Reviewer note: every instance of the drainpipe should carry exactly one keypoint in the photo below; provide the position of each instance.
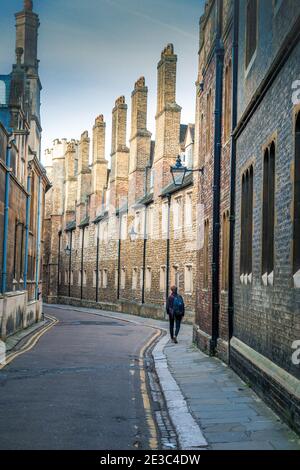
(82, 249)
(70, 262)
(97, 264)
(168, 248)
(217, 179)
(119, 257)
(233, 168)
(58, 261)
(6, 213)
(144, 256)
(38, 244)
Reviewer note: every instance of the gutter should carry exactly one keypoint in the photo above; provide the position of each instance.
(38, 244)
(217, 181)
(28, 201)
(233, 170)
(6, 220)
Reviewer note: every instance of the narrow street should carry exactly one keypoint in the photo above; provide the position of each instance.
(78, 388)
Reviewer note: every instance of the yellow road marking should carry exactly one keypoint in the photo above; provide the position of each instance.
(146, 401)
(31, 342)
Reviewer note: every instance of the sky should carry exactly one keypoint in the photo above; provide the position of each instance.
(93, 51)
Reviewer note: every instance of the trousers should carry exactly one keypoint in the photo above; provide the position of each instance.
(174, 321)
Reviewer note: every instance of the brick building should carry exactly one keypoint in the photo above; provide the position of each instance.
(121, 236)
(247, 138)
(23, 183)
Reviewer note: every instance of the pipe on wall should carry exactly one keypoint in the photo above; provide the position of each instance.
(58, 261)
(38, 243)
(217, 179)
(82, 251)
(144, 255)
(70, 262)
(97, 262)
(233, 168)
(6, 218)
(168, 249)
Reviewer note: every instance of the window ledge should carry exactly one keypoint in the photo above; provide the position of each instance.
(246, 279)
(268, 279)
(297, 279)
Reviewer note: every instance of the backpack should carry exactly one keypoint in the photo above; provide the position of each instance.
(178, 306)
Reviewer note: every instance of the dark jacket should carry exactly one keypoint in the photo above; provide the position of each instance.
(170, 303)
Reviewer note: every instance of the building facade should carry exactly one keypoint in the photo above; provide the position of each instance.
(121, 236)
(23, 183)
(247, 138)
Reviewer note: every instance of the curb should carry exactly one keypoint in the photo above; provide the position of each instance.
(188, 432)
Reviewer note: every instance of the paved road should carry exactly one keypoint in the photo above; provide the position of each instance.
(79, 388)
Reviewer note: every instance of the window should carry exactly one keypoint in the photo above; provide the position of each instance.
(123, 221)
(268, 215)
(188, 279)
(84, 278)
(2, 93)
(162, 279)
(86, 237)
(150, 221)
(151, 179)
(164, 218)
(59, 277)
(32, 205)
(246, 226)
(177, 213)
(134, 278)
(251, 30)
(209, 121)
(141, 278)
(225, 249)
(72, 278)
(66, 277)
(137, 223)
(175, 276)
(227, 102)
(104, 277)
(205, 254)
(123, 278)
(188, 210)
(296, 254)
(79, 278)
(148, 278)
(94, 278)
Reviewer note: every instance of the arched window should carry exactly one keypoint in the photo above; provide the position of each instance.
(227, 102)
(2, 92)
(268, 215)
(297, 200)
(246, 226)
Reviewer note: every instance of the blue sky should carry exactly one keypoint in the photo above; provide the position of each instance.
(92, 51)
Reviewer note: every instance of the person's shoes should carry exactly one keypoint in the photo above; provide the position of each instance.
(175, 340)
(172, 339)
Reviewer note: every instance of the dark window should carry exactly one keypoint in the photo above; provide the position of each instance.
(32, 193)
(206, 254)
(227, 102)
(251, 30)
(268, 210)
(297, 198)
(225, 250)
(208, 122)
(246, 222)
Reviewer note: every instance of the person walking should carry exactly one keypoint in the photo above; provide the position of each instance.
(175, 310)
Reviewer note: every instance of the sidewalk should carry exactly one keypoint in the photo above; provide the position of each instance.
(229, 414)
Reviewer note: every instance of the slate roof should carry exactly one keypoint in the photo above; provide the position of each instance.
(171, 188)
